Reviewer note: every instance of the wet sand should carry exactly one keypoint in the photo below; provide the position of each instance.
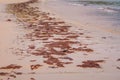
(36, 44)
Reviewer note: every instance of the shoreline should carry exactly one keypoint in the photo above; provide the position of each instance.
(47, 45)
(83, 20)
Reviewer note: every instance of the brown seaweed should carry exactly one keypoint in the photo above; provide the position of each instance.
(11, 66)
(91, 64)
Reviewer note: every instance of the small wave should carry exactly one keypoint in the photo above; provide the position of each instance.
(109, 9)
(94, 2)
(74, 4)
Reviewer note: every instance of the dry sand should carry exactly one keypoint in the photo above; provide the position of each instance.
(12, 1)
(16, 49)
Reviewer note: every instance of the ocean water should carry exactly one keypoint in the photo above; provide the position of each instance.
(105, 5)
(111, 4)
(100, 14)
(109, 10)
(98, 2)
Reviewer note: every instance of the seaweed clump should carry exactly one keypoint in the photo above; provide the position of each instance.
(91, 64)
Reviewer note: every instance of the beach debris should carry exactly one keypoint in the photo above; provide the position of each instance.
(36, 66)
(68, 58)
(54, 61)
(91, 64)
(88, 37)
(104, 37)
(11, 66)
(81, 33)
(32, 1)
(9, 20)
(118, 59)
(84, 49)
(73, 36)
(32, 78)
(53, 67)
(11, 75)
(61, 39)
(118, 68)
(33, 60)
(67, 62)
(3, 73)
(32, 73)
(18, 73)
(31, 46)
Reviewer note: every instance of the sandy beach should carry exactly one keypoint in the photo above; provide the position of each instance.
(38, 41)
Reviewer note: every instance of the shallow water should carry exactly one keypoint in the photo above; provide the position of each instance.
(96, 2)
(108, 9)
(101, 17)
